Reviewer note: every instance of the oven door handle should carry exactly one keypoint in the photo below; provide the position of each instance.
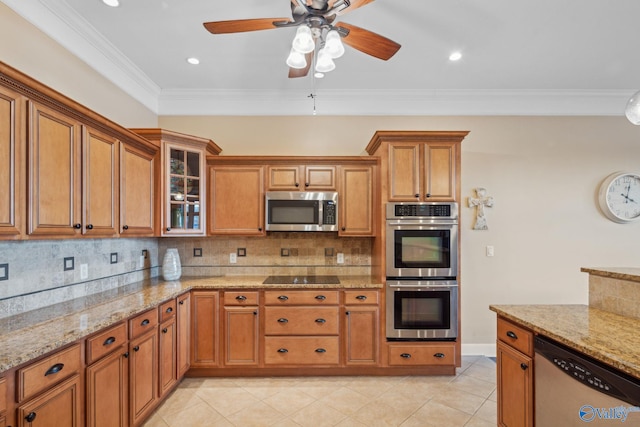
(430, 287)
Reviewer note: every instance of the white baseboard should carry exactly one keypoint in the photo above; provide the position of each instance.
(488, 350)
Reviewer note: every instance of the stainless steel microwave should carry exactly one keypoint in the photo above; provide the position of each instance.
(301, 211)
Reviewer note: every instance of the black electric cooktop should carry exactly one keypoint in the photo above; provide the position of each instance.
(302, 280)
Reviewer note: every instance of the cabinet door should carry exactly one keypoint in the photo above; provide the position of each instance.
(143, 375)
(236, 200)
(137, 191)
(54, 173)
(183, 317)
(320, 178)
(361, 335)
(185, 191)
(108, 390)
(60, 406)
(241, 335)
(284, 178)
(204, 329)
(515, 387)
(404, 171)
(11, 164)
(167, 357)
(440, 160)
(356, 201)
(99, 184)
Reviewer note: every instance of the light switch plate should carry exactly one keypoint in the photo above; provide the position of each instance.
(233, 258)
(340, 259)
(84, 271)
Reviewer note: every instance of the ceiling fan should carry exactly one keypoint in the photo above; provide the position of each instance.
(318, 17)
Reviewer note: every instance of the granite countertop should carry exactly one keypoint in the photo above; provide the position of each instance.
(605, 336)
(623, 273)
(32, 334)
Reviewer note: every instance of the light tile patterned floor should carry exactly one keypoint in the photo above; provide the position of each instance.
(467, 399)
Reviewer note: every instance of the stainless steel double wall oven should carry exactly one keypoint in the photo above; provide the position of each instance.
(422, 270)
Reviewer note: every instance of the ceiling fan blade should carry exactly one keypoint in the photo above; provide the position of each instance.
(301, 72)
(242, 25)
(368, 42)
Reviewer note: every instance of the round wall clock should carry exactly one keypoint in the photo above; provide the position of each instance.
(619, 197)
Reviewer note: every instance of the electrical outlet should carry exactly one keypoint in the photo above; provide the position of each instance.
(340, 259)
(84, 271)
(233, 258)
(141, 261)
(489, 250)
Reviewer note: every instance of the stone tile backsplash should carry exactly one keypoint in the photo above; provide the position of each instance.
(615, 295)
(37, 276)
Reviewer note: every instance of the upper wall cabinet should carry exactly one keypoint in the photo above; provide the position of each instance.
(296, 177)
(11, 164)
(183, 186)
(138, 178)
(356, 200)
(420, 166)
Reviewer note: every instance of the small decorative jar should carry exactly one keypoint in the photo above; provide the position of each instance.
(171, 267)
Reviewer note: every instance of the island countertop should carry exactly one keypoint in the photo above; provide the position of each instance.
(32, 334)
(608, 337)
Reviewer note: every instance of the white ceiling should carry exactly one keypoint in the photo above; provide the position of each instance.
(544, 57)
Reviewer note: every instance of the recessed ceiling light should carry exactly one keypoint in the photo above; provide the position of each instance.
(193, 61)
(112, 3)
(455, 56)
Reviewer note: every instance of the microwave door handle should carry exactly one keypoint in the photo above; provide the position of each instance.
(320, 212)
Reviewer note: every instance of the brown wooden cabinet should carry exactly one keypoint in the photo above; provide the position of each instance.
(362, 327)
(236, 200)
(514, 365)
(183, 317)
(167, 356)
(241, 327)
(205, 329)
(138, 169)
(356, 201)
(3, 401)
(59, 406)
(143, 376)
(431, 354)
(296, 177)
(107, 390)
(12, 159)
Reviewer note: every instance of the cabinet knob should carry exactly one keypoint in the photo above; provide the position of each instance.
(241, 298)
(181, 302)
(259, 228)
(109, 341)
(297, 184)
(164, 330)
(524, 366)
(306, 184)
(30, 417)
(89, 226)
(405, 356)
(125, 227)
(512, 335)
(427, 195)
(439, 355)
(54, 369)
(283, 350)
(344, 228)
(417, 195)
(136, 348)
(168, 228)
(126, 355)
(77, 226)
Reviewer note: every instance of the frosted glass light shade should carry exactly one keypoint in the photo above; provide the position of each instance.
(333, 44)
(325, 62)
(296, 59)
(632, 111)
(303, 41)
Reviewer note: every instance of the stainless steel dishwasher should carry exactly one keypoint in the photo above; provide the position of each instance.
(572, 389)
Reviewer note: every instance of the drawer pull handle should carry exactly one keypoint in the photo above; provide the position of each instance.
(320, 350)
(283, 350)
(282, 320)
(145, 322)
(169, 310)
(439, 355)
(109, 341)
(283, 297)
(320, 321)
(241, 298)
(321, 297)
(30, 417)
(361, 297)
(524, 366)
(405, 356)
(136, 348)
(54, 369)
(511, 334)
(164, 331)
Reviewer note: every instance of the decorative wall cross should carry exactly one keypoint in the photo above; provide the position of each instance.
(479, 203)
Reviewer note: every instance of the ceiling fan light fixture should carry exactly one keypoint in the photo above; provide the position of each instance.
(334, 45)
(318, 75)
(632, 111)
(303, 41)
(193, 60)
(296, 59)
(325, 63)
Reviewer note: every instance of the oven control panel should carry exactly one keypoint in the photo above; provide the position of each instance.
(439, 210)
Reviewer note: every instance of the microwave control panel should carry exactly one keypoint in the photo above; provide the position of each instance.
(329, 212)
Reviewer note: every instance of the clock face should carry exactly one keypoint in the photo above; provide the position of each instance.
(620, 197)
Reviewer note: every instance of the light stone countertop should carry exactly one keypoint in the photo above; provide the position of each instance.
(623, 273)
(605, 336)
(35, 333)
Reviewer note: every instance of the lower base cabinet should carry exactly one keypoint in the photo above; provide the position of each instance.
(60, 406)
(167, 357)
(440, 354)
(515, 387)
(107, 383)
(143, 376)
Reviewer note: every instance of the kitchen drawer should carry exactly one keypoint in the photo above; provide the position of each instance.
(310, 297)
(143, 322)
(360, 297)
(3, 395)
(301, 320)
(516, 336)
(301, 350)
(105, 342)
(429, 354)
(241, 298)
(167, 310)
(45, 373)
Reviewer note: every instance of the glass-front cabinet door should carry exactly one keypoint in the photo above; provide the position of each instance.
(185, 190)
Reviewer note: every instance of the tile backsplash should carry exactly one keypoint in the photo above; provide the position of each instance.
(35, 274)
(615, 295)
